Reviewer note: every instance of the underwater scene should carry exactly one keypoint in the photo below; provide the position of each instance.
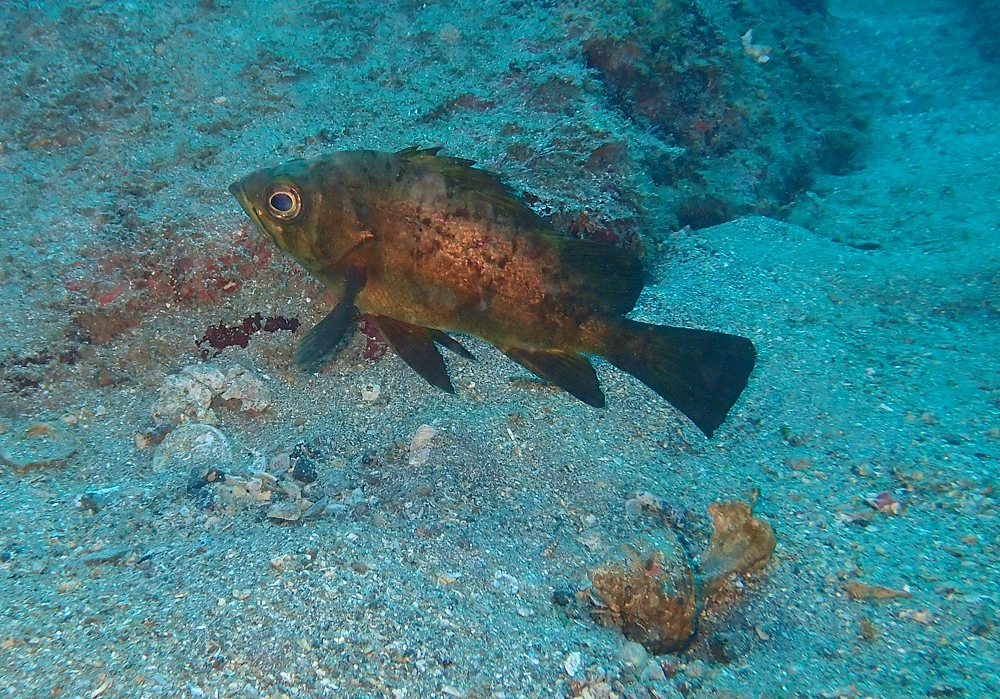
(610, 350)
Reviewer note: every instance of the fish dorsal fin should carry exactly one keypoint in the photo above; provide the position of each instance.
(611, 273)
(569, 371)
(415, 346)
(483, 186)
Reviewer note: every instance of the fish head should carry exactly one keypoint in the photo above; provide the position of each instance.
(313, 210)
(283, 202)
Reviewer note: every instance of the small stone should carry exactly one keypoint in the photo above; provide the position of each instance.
(419, 449)
(860, 591)
(633, 655)
(189, 394)
(37, 445)
(573, 663)
(290, 489)
(280, 463)
(633, 508)
(194, 447)
(502, 580)
(111, 555)
(652, 673)
(303, 467)
(284, 511)
(317, 509)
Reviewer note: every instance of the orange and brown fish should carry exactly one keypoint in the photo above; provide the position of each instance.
(427, 244)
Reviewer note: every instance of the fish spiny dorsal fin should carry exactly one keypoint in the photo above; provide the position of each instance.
(461, 177)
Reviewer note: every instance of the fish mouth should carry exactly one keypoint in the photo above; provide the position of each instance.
(236, 189)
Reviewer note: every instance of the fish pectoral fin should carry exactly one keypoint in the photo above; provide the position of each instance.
(415, 346)
(315, 348)
(318, 343)
(569, 371)
(451, 343)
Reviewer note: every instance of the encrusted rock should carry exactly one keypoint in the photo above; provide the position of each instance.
(649, 593)
(189, 395)
(652, 596)
(193, 447)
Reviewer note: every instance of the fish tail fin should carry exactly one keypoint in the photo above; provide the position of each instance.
(701, 373)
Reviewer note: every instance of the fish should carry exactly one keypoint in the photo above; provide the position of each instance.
(429, 245)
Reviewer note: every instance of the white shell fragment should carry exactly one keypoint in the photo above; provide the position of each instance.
(572, 663)
(420, 445)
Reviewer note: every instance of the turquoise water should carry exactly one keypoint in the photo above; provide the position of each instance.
(819, 176)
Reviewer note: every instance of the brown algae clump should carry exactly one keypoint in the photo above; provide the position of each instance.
(655, 598)
(651, 598)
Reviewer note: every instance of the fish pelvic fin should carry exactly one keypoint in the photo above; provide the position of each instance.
(569, 371)
(451, 343)
(701, 373)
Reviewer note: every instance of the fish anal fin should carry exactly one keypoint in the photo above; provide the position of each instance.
(415, 346)
(569, 371)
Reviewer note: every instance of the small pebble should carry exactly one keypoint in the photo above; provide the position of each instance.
(284, 511)
(633, 508)
(506, 582)
(633, 655)
(573, 663)
(653, 673)
(280, 463)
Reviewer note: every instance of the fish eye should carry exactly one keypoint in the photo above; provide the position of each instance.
(284, 202)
